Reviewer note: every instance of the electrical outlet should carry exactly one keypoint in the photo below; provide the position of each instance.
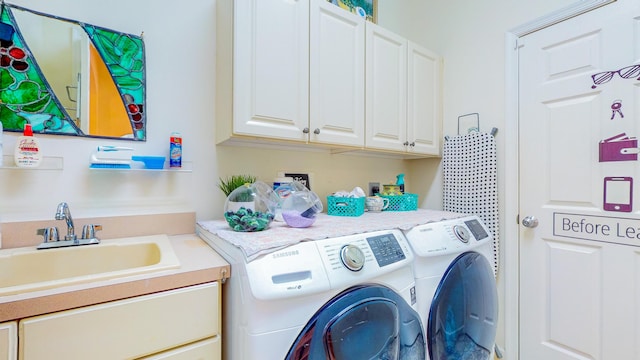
(374, 188)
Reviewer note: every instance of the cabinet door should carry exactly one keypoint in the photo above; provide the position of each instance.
(424, 109)
(386, 95)
(271, 68)
(336, 103)
(209, 349)
(124, 329)
(8, 341)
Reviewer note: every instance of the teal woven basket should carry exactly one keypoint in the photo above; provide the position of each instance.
(343, 206)
(406, 202)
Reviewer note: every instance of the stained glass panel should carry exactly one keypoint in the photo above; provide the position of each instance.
(26, 95)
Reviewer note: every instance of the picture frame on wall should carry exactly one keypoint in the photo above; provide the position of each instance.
(367, 9)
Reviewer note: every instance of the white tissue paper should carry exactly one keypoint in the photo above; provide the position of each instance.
(357, 192)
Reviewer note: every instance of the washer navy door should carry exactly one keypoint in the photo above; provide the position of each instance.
(367, 321)
(464, 312)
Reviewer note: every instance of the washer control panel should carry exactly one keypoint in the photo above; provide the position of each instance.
(386, 249)
(363, 256)
(447, 236)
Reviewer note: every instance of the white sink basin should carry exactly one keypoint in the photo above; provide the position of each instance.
(27, 269)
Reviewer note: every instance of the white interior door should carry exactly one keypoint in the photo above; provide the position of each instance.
(580, 266)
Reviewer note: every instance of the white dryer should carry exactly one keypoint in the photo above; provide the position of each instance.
(456, 287)
(350, 297)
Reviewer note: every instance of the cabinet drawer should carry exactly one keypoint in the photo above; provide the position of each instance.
(9, 341)
(209, 349)
(124, 329)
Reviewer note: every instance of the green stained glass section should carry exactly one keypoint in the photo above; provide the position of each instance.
(123, 54)
(25, 97)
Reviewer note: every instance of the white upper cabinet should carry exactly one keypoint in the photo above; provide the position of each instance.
(424, 100)
(290, 70)
(337, 86)
(299, 71)
(386, 89)
(403, 110)
(270, 68)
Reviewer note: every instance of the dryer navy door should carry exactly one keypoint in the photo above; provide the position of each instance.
(367, 321)
(464, 312)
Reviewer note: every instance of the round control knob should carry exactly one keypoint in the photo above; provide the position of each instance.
(352, 257)
(461, 233)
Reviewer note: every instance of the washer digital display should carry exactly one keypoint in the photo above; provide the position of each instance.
(386, 249)
(476, 229)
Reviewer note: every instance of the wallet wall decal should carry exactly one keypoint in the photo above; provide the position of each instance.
(619, 148)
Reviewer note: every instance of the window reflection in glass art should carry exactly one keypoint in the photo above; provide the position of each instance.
(103, 95)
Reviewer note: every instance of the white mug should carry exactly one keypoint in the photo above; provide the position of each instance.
(376, 203)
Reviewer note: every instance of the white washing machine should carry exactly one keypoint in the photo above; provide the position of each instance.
(349, 297)
(456, 288)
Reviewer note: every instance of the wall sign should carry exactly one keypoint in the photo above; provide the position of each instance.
(605, 229)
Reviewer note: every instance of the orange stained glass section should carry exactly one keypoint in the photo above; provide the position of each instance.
(112, 119)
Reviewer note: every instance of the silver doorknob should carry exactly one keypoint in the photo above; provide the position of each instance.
(530, 222)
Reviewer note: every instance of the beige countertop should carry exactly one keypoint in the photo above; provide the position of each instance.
(199, 263)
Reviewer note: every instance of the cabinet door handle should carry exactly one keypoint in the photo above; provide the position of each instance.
(413, 143)
(316, 131)
(305, 130)
(406, 143)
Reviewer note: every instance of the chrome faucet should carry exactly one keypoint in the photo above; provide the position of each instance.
(50, 234)
(63, 213)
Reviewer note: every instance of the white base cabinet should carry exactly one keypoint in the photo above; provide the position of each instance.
(403, 94)
(208, 349)
(9, 341)
(175, 324)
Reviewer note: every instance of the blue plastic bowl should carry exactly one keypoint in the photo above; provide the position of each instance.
(151, 162)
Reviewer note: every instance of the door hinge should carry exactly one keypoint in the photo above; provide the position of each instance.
(519, 43)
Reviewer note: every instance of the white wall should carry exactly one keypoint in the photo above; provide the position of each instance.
(180, 53)
(180, 45)
(177, 37)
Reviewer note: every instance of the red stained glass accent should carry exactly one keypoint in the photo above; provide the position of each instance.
(133, 108)
(5, 61)
(17, 53)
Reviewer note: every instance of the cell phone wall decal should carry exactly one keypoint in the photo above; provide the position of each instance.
(618, 193)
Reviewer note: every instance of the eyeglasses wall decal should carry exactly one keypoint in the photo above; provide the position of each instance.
(626, 72)
(79, 79)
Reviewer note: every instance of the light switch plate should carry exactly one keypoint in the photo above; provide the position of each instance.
(374, 188)
(304, 177)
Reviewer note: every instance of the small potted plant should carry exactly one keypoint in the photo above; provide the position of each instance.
(231, 183)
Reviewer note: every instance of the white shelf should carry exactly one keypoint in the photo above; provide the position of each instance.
(47, 163)
(187, 166)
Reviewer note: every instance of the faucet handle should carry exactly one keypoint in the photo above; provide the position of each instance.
(50, 234)
(89, 231)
